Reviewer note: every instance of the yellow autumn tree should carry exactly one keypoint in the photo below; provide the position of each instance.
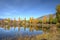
(44, 19)
(31, 20)
(35, 21)
(24, 22)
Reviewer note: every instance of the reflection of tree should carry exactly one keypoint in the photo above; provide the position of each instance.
(44, 29)
(36, 28)
(8, 27)
(24, 28)
(14, 27)
(18, 28)
(31, 28)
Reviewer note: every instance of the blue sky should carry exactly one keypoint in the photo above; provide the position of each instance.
(27, 8)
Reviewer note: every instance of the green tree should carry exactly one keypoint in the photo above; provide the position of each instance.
(47, 21)
(58, 15)
(54, 20)
(40, 21)
(14, 22)
(50, 18)
(8, 21)
(8, 27)
(24, 22)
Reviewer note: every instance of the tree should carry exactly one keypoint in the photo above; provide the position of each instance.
(8, 21)
(47, 21)
(35, 21)
(14, 22)
(31, 20)
(44, 19)
(54, 21)
(58, 13)
(24, 22)
(40, 21)
(50, 18)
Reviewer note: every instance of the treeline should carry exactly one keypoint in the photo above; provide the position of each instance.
(31, 21)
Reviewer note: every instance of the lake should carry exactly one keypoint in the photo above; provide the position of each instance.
(13, 33)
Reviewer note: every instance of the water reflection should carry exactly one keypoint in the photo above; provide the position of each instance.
(32, 32)
(13, 33)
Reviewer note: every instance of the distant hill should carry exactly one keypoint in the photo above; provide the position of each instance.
(40, 18)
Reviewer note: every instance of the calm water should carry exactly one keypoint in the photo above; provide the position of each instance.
(15, 32)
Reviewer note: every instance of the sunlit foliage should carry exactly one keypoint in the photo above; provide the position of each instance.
(50, 18)
(58, 15)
